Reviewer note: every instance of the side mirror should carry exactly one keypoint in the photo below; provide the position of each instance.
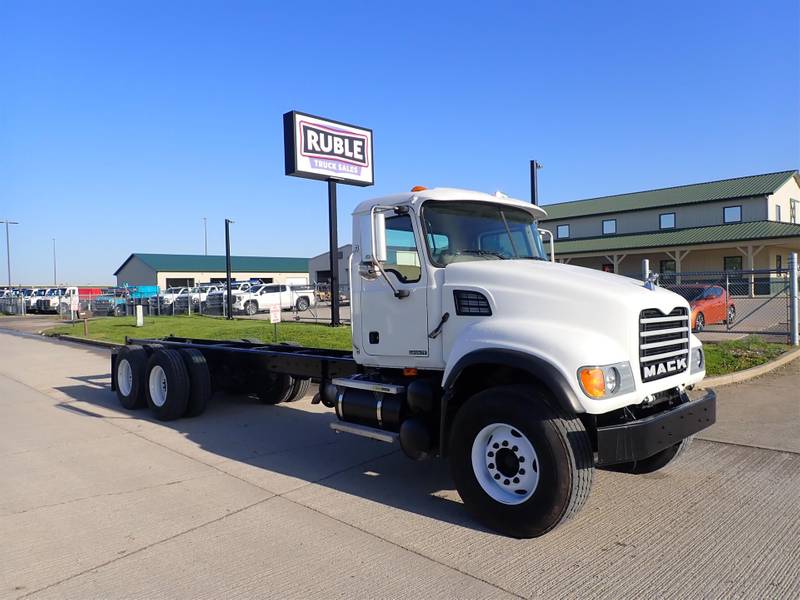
(379, 236)
(373, 237)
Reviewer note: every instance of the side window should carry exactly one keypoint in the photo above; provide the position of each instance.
(402, 255)
(562, 232)
(271, 289)
(283, 288)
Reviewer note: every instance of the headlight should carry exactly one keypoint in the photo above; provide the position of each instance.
(606, 381)
(698, 360)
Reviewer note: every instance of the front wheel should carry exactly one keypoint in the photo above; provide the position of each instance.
(661, 460)
(731, 315)
(251, 308)
(520, 467)
(302, 304)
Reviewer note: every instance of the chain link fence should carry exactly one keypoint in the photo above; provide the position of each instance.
(732, 304)
(250, 300)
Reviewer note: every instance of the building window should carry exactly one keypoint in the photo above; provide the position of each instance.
(779, 263)
(180, 282)
(562, 231)
(609, 227)
(666, 266)
(732, 214)
(666, 221)
(793, 210)
(778, 213)
(732, 263)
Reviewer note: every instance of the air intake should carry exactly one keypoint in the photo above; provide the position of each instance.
(471, 304)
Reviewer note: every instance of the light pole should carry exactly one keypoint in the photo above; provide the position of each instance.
(55, 277)
(205, 233)
(535, 166)
(8, 248)
(229, 299)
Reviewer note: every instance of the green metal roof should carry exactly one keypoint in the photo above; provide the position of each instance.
(733, 232)
(740, 187)
(201, 263)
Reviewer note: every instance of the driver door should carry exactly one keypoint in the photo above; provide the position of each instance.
(391, 326)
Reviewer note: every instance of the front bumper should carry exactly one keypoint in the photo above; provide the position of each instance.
(641, 438)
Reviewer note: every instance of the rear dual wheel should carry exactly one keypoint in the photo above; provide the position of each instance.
(279, 387)
(173, 383)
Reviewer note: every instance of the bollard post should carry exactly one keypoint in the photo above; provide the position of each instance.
(85, 327)
(794, 338)
(645, 269)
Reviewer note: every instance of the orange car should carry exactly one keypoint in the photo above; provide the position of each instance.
(709, 304)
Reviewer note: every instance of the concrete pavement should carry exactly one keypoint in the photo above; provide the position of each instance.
(249, 500)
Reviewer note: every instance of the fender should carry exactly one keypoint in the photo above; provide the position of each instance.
(563, 394)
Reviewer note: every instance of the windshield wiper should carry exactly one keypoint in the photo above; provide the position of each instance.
(483, 253)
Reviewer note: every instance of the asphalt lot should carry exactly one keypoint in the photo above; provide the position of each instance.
(256, 501)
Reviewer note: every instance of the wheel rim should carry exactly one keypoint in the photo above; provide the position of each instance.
(158, 386)
(731, 314)
(505, 463)
(251, 310)
(700, 322)
(125, 377)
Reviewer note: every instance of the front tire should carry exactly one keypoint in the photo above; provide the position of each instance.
(302, 304)
(661, 460)
(251, 308)
(731, 315)
(520, 467)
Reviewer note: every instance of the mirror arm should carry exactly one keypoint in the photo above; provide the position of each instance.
(552, 243)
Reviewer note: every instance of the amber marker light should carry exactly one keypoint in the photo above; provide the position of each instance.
(593, 382)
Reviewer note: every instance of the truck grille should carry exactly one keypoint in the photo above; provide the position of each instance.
(663, 343)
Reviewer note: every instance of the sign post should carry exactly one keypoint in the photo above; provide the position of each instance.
(275, 318)
(317, 148)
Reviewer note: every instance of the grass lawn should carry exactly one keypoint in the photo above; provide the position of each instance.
(114, 329)
(727, 357)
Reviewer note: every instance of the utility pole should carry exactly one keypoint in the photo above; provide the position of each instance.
(55, 274)
(535, 166)
(205, 233)
(229, 299)
(8, 248)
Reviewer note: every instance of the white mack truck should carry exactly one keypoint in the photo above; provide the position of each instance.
(469, 343)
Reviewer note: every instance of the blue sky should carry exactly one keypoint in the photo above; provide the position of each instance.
(122, 124)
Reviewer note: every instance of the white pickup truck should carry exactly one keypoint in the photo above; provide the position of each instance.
(470, 343)
(198, 295)
(165, 299)
(261, 298)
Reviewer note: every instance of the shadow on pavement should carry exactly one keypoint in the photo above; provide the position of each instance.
(298, 443)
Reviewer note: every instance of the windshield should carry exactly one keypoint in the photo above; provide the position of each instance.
(462, 231)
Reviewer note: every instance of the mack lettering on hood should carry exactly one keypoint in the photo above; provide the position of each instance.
(318, 141)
